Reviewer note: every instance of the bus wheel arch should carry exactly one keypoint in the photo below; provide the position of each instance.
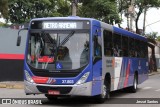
(105, 89)
(107, 82)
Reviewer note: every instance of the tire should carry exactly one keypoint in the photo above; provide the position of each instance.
(51, 97)
(133, 88)
(105, 93)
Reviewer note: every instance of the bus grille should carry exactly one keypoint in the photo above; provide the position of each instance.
(63, 90)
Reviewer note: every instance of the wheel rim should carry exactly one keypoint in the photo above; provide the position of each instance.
(135, 83)
(104, 91)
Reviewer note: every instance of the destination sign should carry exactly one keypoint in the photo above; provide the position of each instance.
(59, 25)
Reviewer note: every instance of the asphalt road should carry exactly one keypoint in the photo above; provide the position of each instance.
(148, 89)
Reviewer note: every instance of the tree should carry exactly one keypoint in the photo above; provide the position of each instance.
(123, 6)
(104, 10)
(158, 38)
(152, 39)
(141, 5)
(21, 11)
(152, 35)
(4, 8)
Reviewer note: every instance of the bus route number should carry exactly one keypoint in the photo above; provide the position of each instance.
(67, 81)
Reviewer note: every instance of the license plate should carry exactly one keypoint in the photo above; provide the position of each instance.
(53, 92)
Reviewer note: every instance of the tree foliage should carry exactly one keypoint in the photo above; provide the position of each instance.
(122, 6)
(158, 38)
(104, 10)
(4, 8)
(21, 11)
(141, 5)
(152, 36)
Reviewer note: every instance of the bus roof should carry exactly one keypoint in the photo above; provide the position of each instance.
(129, 34)
(115, 29)
(63, 18)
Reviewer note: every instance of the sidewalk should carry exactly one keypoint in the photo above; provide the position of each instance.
(12, 84)
(155, 72)
(20, 85)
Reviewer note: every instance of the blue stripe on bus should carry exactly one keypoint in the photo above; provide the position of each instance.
(136, 64)
(97, 67)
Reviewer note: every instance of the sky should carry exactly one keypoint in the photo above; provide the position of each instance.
(153, 15)
(152, 21)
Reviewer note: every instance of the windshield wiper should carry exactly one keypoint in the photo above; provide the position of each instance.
(67, 38)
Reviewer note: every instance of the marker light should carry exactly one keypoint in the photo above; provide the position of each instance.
(28, 77)
(83, 78)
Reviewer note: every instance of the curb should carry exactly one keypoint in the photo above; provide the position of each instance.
(153, 73)
(11, 86)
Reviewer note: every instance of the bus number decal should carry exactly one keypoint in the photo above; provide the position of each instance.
(67, 81)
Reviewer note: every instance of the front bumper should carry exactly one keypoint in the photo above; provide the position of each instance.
(75, 90)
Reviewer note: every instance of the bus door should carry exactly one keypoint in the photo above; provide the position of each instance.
(97, 60)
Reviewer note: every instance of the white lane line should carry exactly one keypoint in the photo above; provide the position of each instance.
(145, 88)
(157, 90)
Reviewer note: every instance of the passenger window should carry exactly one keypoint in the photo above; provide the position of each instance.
(108, 47)
(117, 49)
(137, 48)
(143, 50)
(97, 46)
(124, 46)
(131, 47)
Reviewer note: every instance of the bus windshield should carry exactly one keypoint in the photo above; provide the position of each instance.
(58, 50)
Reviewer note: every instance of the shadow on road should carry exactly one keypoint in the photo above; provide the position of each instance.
(86, 101)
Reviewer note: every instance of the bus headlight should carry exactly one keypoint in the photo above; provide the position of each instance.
(83, 79)
(28, 77)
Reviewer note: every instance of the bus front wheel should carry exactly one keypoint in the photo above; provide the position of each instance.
(105, 93)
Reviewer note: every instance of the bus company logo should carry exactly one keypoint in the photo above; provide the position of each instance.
(110, 63)
(51, 81)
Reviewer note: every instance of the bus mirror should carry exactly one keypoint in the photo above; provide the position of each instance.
(19, 37)
(18, 40)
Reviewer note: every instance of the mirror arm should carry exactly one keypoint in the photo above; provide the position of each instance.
(19, 37)
(26, 28)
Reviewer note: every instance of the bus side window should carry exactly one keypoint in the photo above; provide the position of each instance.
(137, 48)
(131, 47)
(97, 46)
(107, 35)
(124, 46)
(117, 51)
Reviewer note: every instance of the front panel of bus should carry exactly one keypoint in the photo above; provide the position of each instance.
(59, 58)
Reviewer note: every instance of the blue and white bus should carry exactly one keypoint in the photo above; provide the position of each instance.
(73, 56)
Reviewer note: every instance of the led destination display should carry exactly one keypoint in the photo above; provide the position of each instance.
(60, 25)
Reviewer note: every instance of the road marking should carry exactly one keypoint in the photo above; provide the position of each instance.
(145, 88)
(157, 90)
